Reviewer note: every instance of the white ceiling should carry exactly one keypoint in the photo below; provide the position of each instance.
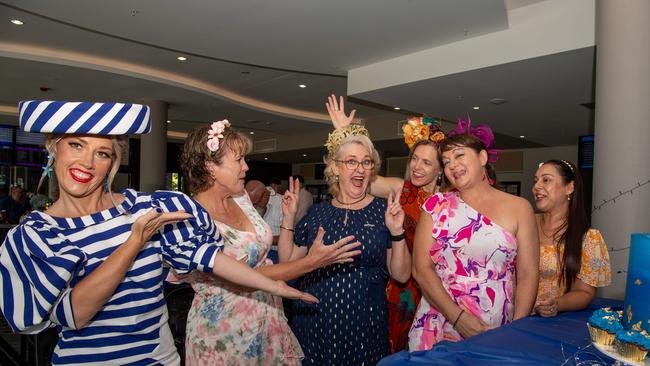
(309, 35)
(544, 97)
(247, 57)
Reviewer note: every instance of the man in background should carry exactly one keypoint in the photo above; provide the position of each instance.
(259, 195)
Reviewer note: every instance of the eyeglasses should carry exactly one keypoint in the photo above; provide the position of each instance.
(353, 164)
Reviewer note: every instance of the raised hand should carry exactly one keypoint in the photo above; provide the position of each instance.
(148, 224)
(284, 290)
(339, 252)
(394, 215)
(336, 110)
(290, 198)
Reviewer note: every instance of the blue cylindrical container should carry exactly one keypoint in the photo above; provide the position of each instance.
(637, 290)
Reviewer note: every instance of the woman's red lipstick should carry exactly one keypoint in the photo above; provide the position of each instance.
(75, 174)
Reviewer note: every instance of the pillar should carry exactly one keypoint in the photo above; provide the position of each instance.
(622, 130)
(153, 149)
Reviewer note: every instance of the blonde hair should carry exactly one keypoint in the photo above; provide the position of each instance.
(120, 144)
(330, 160)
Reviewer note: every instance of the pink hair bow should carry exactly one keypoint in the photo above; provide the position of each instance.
(482, 132)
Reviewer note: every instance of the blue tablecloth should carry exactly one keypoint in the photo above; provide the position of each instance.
(530, 341)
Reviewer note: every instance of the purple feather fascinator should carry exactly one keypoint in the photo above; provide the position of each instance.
(482, 132)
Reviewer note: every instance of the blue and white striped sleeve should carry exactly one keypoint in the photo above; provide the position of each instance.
(191, 244)
(36, 270)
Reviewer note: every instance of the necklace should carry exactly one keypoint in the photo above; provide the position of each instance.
(554, 232)
(348, 204)
(424, 195)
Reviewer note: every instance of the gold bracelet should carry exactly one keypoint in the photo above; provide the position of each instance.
(286, 228)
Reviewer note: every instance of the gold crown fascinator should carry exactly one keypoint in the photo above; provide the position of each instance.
(335, 138)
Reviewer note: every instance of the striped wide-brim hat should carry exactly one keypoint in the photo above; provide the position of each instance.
(84, 117)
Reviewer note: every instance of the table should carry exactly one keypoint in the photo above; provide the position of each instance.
(533, 341)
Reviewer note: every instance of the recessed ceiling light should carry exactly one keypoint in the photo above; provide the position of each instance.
(181, 58)
(266, 158)
(522, 136)
(252, 132)
(303, 86)
(497, 101)
(476, 108)
(304, 155)
(397, 108)
(17, 22)
(245, 72)
(169, 121)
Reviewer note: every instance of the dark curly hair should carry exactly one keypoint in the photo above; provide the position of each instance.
(195, 154)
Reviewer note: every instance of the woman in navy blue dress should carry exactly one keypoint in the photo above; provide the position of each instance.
(350, 324)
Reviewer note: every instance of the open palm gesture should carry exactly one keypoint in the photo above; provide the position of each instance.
(339, 252)
(336, 110)
(150, 223)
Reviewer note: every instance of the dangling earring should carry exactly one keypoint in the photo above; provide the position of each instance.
(106, 184)
(490, 181)
(568, 197)
(439, 179)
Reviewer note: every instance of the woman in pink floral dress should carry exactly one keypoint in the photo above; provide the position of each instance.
(229, 325)
(467, 245)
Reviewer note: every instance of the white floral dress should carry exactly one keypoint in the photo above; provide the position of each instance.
(229, 326)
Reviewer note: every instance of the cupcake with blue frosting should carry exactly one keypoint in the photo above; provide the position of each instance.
(603, 325)
(633, 344)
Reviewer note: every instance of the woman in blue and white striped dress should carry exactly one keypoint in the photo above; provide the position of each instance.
(92, 264)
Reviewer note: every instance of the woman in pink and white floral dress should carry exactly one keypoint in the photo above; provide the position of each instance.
(467, 248)
(226, 324)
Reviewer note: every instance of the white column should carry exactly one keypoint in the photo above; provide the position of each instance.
(622, 130)
(153, 149)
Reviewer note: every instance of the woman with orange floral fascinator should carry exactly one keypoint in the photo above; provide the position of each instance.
(423, 178)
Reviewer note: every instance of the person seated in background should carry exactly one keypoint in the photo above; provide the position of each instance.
(15, 205)
(305, 198)
(259, 195)
(573, 259)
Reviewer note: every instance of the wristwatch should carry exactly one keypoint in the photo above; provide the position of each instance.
(399, 237)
